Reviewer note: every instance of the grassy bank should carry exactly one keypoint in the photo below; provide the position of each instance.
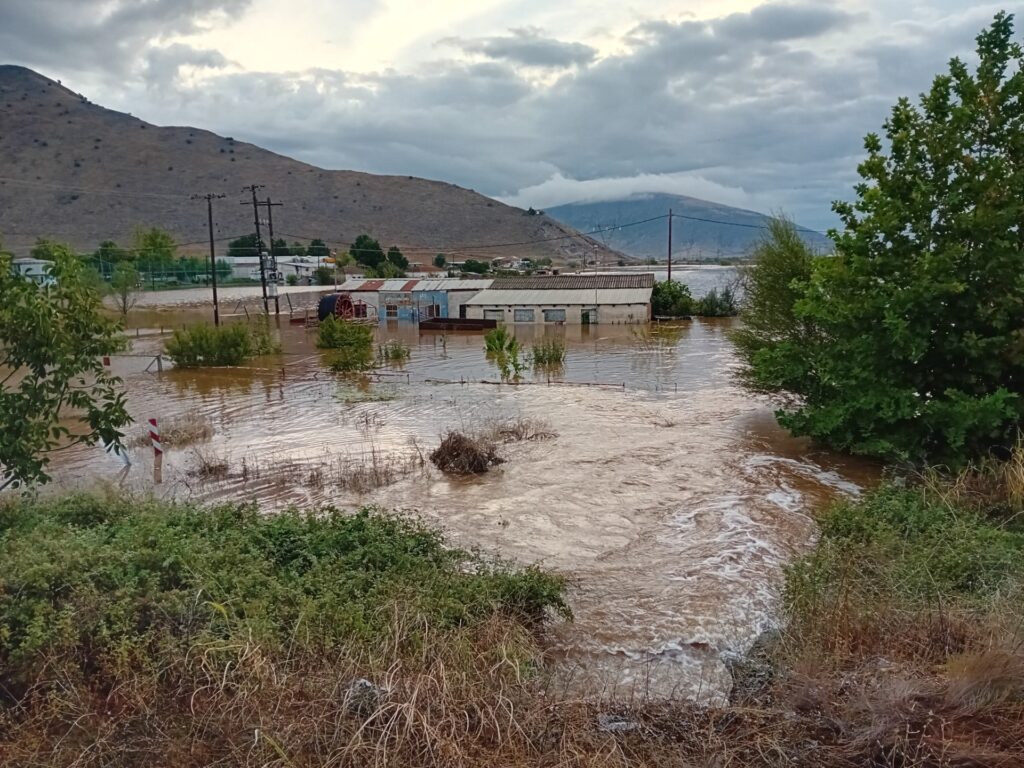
(140, 633)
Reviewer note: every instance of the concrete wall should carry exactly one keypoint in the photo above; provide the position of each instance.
(607, 314)
(422, 300)
(456, 299)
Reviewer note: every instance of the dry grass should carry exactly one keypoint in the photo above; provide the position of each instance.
(178, 432)
(516, 430)
(462, 454)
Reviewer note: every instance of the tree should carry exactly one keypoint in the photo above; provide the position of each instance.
(318, 249)
(246, 245)
(479, 267)
(395, 257)
(124, 284)
(916, 326)
(55, 390)
(671, 299)
(279, 247)
(111, 253)
(440, 261)
(155, 245)
(778, 277)
(367, 251)
(384, 271)
(323, 276)
(298, 249)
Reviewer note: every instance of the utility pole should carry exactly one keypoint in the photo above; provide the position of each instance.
(210, 197)
(273, 259)
(259, 241)
(670, 245)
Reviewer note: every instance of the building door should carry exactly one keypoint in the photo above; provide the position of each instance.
(462, 311)
(588, 316)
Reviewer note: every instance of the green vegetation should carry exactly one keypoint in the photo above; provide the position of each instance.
(439, 260)
(477, 267)
(208, 346)
(503, 349)
(717, 303)
(351, 344)
(55, 390)
(671, 298)
(323, 275)
(367, 252)
(192, 617)
(907, 345)
(393, 351)
(548, 354)
(292, 279)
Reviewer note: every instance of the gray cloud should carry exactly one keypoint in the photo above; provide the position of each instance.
(750, 109)
(527, 47)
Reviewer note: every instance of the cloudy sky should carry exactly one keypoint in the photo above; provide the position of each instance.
(757, 104)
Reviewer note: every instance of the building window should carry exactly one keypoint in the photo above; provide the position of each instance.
(390, 310)
(522, 315)
(554, 315)
(433, 310)
(494, 314)
(359, 310)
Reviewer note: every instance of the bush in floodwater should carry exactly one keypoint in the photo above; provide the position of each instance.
(671, 299)
(351, 344)
(206, 345)
(393, 351)
(548, 353)
(717, 304)
(461, 454)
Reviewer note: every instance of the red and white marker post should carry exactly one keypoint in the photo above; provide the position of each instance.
(158, 452)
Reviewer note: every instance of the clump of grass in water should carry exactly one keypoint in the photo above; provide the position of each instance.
(370, 393)
(393, 351)
(502, 348)
(205, 345)
(550, 353)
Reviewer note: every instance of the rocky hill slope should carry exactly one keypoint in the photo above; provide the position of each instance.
(77, 172)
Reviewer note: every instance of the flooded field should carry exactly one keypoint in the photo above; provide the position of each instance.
(667, 494)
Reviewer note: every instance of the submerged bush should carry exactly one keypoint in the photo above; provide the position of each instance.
(461, 454)
(206, 345)
(671, 299)
(717, 304)
(393, 351)
(502, 348)
(351, 344)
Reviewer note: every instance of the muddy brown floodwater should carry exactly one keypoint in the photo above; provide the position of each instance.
(668, 495)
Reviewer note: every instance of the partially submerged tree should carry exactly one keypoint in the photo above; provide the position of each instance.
(124, 286)
(917, 350)
(54, 390)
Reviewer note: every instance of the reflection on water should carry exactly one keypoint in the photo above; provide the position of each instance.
(670, 496)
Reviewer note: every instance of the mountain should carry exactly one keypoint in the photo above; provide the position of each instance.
(701, 229)
(79, 173)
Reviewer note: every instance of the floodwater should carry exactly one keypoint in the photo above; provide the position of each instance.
(667, 494)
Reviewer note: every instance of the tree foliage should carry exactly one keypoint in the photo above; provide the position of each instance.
(915, 329)
(317, 249)
(367, 251)
(440, 261)
(671, 298)
(124, 285)
(54, 389)
(155, 245)
(246, 245)
(478, 267)
(395, 257)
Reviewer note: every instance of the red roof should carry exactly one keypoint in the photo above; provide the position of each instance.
(409, 286)
(371, 285)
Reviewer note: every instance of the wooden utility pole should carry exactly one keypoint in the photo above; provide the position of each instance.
(210, 197)
(259, 242)
(670, 244)
(273, 258)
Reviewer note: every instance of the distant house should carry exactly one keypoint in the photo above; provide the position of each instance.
(609, 299)
(34, 270)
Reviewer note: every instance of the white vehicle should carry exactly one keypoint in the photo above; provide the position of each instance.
(254, 274)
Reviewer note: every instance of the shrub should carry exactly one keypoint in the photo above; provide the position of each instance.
(292, 280)
(717, 304)
(323, 276)
(102, 590)
(205, 345)
(461, 454)
(671, 299)
(549, 352)
(502, 348)
(351, 344)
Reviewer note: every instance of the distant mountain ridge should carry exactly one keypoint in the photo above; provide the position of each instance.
(80, 173)
(702, 229)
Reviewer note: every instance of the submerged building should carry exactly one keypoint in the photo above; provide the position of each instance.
(566, 299)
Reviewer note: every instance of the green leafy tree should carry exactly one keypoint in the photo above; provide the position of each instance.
(280, 248)
(367, 251)
(155, 245)
(917, 351)
(478, 267)
(124, 285)
(671, 299)
(323, 276)
(246, 245)
(54, 390)
(318, 249)
(111, 252)
(772, 285)
(384, 271)
(395, 257)
(298, 249)
(440, 261)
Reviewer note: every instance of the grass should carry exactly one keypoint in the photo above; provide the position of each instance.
(393, 351)
(143, 633)
(503, 349)
(549, 353)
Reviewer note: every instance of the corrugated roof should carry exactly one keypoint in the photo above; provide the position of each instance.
(496, 297)
(406, 285)
(574, 282)
(452, 284)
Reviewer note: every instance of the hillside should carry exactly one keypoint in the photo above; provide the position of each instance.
(72, 170)
(730, 232)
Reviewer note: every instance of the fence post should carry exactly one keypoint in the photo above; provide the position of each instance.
(158, 452)
(159, 363)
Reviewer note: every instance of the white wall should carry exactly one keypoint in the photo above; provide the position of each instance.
(607, 314)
